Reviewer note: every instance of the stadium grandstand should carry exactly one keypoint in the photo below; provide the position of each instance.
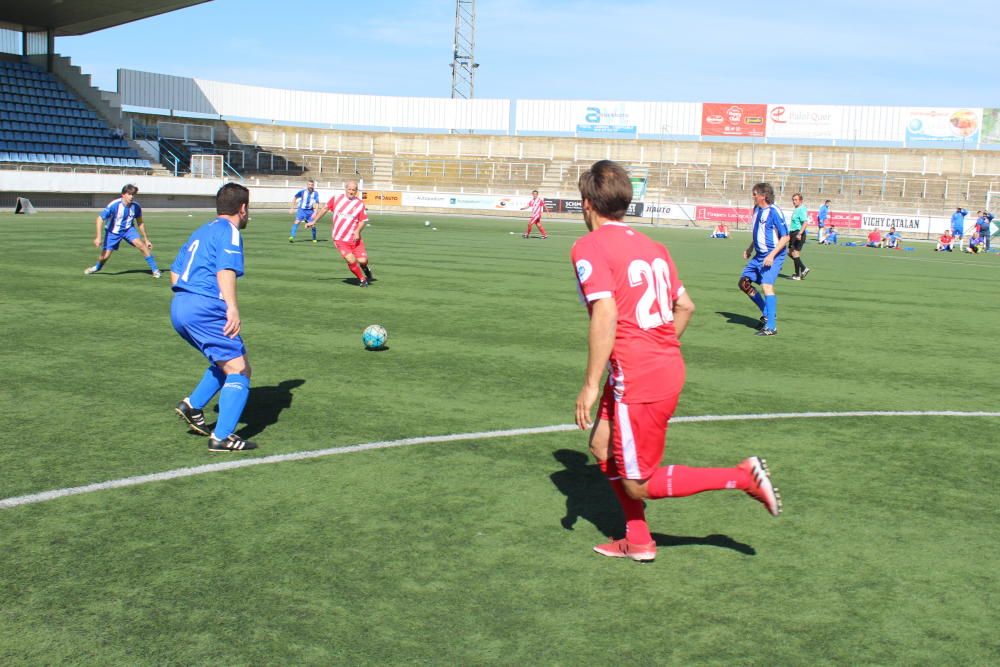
(62, 139)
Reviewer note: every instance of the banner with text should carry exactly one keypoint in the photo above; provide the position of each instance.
(470, 202)
(669, 211)
(381, 198)
(605, 120)
(802, 121)
(733, 120)
(576, 206)
(925, 125)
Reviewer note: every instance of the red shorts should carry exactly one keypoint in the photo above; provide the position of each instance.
(638, 434)
(356, 248)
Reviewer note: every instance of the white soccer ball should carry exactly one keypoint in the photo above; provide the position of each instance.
(427, 223)
(374, 337)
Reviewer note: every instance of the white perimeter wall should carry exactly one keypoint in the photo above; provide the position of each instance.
(232, 100)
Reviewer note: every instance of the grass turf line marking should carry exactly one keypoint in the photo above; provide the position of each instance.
(17, 501)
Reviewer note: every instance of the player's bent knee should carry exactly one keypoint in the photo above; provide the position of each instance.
(237, 366)
(746, 286)
(635, 488)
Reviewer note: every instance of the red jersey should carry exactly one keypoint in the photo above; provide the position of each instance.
(347, 214)
(874, 237)
(615, 261)
(537, 207)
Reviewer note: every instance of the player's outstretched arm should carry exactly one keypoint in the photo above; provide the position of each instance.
(317, 216)
(227, 286)
(97, 234)
(601, 340)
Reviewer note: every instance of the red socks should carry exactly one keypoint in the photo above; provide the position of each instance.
(356, 270)
(675, 481)
(636, 528)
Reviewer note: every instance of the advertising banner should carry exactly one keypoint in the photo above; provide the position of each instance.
(733, 120)
(635, 209)
(381, 198)
(991, 126)
(458, 201)
(927, 125)
(727, 214)
(802, 121)
(841, 219)
(902, 223)
(669, 211)
(605, 120)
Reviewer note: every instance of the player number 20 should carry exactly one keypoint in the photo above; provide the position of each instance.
(654, 307)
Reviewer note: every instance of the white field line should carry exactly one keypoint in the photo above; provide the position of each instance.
(16, 501)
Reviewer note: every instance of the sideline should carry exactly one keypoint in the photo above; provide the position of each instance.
(17, 501)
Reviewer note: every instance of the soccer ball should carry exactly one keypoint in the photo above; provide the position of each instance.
(374, 337)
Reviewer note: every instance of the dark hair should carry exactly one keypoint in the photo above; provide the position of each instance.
(230, 198)
(608, 189)
(827, 201)
(766, 190)
(799, 195)
(129, 189)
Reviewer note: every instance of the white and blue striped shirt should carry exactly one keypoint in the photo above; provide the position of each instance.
(118, 217)
(307, 200)
(768, 228)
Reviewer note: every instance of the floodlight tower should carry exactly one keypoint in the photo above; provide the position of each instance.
(463, 63)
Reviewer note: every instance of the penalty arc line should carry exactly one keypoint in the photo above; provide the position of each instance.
(34, 498)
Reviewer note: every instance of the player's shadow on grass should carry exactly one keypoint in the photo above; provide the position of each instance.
(355, 282)
(122, 273)
(589, 497)
(736, 318)
(264, 406)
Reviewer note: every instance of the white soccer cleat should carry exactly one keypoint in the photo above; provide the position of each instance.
(761, 488)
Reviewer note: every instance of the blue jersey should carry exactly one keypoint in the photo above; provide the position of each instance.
(307, 200)
(824, 213)
(768, 228)
(958, 220)
(118, 218)
(984, 222)
(213, 247)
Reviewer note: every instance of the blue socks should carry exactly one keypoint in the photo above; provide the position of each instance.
(152, 263)
(209, 386)
(759, 300)
(771, 311)
(295, 229)
(99, 265)
(232, 400)
(313, 230)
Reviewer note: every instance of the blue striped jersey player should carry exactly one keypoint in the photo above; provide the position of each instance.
(205, 312)
(121, 220)
(304, 204)
(766, 254)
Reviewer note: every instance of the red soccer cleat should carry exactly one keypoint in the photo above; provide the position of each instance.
(760, 484)
(644, 553)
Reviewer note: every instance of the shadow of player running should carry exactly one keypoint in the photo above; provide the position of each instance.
(589, 497)
(736, 318)
(264, 406)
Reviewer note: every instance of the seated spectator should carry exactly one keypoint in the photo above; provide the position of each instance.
(874, 239)
(721, 231)
(977, 244)
(945, 241)
(891, 239)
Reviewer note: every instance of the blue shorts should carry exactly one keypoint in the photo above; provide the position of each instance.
(957, 231)
(200, 320)
(111, 240)
(303, 215)
(756, 272)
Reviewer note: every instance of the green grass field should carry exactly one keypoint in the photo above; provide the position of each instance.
(479, 551)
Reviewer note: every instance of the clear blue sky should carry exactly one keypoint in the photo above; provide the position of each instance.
(918, 52)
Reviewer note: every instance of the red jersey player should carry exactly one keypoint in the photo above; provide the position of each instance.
(638, 310)
(537, 206)
(349, 218)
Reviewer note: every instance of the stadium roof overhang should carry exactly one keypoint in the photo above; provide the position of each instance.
(71, 17)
